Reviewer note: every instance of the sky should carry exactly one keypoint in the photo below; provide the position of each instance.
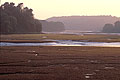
(43, 9)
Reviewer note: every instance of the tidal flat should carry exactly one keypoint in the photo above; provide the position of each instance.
(59, 62)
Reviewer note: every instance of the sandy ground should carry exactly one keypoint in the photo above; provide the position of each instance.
(59, 63)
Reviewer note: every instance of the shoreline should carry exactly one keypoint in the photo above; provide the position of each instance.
(16, 38)
(27, 41)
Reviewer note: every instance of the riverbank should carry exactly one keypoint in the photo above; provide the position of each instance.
(43, 37)
(59, 63)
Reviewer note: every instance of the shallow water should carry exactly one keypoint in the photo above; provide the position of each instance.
(65, 43)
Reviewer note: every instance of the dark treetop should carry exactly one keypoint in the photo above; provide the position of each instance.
(110, 28)
(18, 19)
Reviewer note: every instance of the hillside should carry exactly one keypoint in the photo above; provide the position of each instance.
(84, 23)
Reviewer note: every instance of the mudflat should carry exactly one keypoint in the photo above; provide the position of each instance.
(59, 63)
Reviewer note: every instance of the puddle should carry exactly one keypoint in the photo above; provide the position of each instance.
(94, 61)
(109, 68)
(29, 61)
(31, 51)
(89, 75)
(36, 54)
(97, 70)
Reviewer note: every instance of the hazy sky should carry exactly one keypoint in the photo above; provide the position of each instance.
(44, 9)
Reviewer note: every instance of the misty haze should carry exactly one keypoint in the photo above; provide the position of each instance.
(85, 23)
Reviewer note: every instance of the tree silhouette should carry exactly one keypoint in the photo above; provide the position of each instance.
(117, 26)
(110, 28)
(18, 19)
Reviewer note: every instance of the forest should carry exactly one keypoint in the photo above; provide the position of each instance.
(20, 19)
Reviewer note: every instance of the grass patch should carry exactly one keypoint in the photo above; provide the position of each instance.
(88, 37)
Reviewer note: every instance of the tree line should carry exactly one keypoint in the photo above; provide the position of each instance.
(18, 19)
(110, 28)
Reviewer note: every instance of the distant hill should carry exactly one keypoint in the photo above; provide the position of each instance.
(85, 23)
(52, 26)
